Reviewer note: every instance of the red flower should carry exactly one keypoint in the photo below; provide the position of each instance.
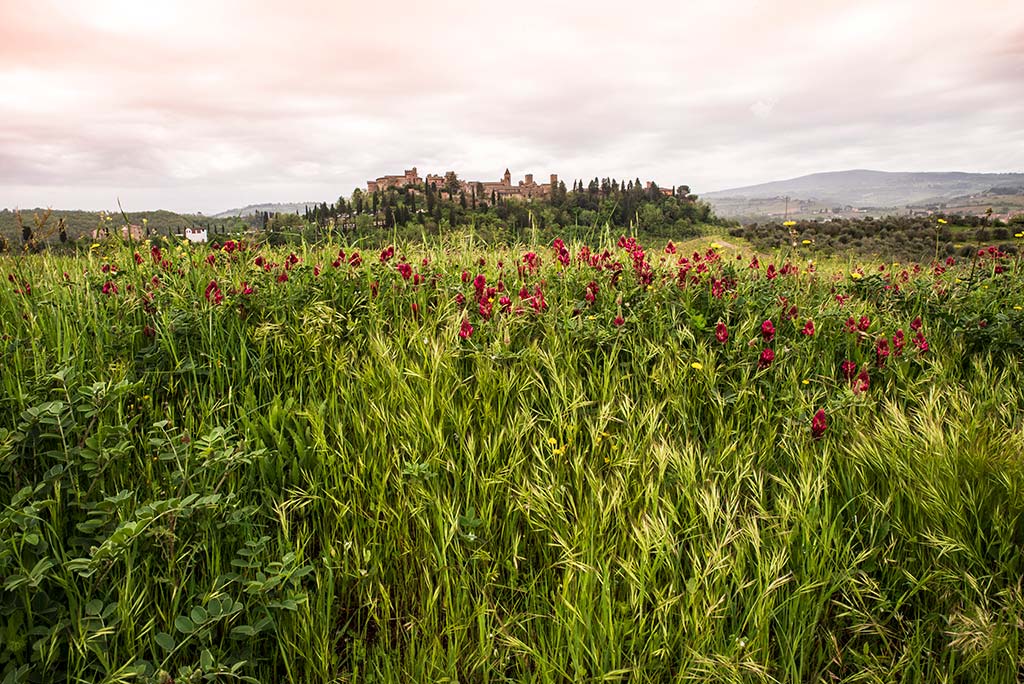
(915, 324)
(213, 293)
(109, 288)
(851, 325)
(897, 342)
(466, 330)
(770, 273)
(882, 350)
(386, 254)
(819, 424)
(808, 329)
(721, 332)
(618, 321)
(921, 342)
(767, 356)
(405, 269)
(148, 331)
(283, 278)
(465, 276)
(768, 331)
(670, 248)
(211, 259)
(355, 260)
(864, 324)
(849, 369)
(862, 383)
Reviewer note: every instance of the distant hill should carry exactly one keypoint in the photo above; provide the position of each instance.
(871, 189)
(271, 208)
(82, 223)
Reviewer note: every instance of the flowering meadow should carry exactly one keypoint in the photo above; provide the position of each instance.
(548, 463)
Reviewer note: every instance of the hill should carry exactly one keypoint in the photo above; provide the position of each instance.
(270, 208)
(864, 189)
(82, 223)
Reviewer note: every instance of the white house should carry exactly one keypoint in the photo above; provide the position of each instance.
(195, 234)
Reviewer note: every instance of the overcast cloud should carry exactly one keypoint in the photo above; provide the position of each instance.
(207, 105)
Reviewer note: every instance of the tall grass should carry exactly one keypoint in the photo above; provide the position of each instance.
(313, 481)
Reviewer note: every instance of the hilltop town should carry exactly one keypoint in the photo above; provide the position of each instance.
(450, 184)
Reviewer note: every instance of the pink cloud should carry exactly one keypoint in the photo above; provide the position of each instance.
(205, 104)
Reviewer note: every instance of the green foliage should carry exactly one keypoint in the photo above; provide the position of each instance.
(264, 465)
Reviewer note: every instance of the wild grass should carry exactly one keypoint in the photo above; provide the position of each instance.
(313, 481)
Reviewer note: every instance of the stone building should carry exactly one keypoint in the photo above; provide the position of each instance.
(410, 177)
(503, 188)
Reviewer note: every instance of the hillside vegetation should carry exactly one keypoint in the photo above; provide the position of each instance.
(532, 463)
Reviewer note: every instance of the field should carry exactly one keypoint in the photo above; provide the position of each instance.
(544, 463)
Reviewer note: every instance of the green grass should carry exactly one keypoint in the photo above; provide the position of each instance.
(315, 483)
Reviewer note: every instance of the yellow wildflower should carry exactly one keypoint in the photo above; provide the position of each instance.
(696, 365)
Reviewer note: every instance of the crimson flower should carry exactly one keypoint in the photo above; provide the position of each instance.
(808, 329)
(721, 332)
(915, 324)
(405, 269)
(618, 321)
(768, 331)
(897, 342)
(862, 383)
(851, 325)
(921, 342)
(882, 350)
(819, 424)
(386, 254)
(466, 330)
(767, 356)
(849, 369)
(864, 324)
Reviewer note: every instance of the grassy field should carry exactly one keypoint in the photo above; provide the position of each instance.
(444, 462)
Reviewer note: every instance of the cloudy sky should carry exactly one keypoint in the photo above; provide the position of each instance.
(207, 105)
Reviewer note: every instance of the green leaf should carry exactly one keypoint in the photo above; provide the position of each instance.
(206, 659)
(94, 607)
(184, 625)
(164, 641)
(243, 632)
(198, 615)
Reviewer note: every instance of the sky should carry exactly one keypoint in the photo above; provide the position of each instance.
(208, 105)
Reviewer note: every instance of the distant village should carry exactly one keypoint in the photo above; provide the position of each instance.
(526, 189)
